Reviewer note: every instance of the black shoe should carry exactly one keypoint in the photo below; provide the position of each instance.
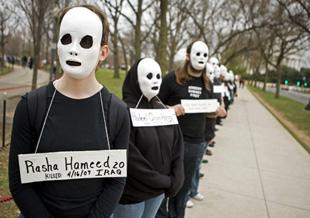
(211, 144)
(204, 161)
(209, 152)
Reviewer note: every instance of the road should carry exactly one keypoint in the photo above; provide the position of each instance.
(297, 96)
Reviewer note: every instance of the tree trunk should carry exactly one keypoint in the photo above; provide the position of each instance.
(137, 42)
(265, 77)
(47, 47)
(163, 37)
(124, 52)
(171, 55)
(279, 77)
(2, 43)
(36, 56)
(265, 81)
(37, 26)
(115, 48)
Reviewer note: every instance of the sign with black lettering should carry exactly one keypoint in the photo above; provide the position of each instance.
(153, 117)
(199, 105)
(218, 89)
(72, 165)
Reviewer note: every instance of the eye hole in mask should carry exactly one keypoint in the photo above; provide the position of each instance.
(66, 39)
(158, 76)
(205, 55)
(86, 42)
(198, 53)
(149, 76)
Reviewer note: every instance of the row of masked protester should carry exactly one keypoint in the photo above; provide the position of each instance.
(79, 151)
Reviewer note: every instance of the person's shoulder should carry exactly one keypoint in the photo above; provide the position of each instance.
(170, 75)
(41, 91)
(116, 102)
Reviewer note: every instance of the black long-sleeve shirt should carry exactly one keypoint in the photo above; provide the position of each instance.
(72, 125)
(171, 93)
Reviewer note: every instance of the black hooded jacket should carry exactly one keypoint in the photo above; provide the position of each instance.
(155, 154)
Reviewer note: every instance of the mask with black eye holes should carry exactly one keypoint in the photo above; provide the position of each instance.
(210, 72)
(80, 42)
(149, 77)
(199, 55)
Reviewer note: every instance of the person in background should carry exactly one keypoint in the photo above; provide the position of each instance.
(155, 157)
(188, 82)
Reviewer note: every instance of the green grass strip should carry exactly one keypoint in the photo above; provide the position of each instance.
(290, 110)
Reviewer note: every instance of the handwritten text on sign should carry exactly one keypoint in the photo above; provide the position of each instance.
(72, 165)
(200, 105)
(153, 117)
(218, 89)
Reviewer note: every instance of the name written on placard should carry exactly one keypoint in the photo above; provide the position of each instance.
(200, 105)
(218, 89)
(72, 165)
(153, 117)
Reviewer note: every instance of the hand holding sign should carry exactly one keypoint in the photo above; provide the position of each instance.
(200, 105)
(218, 89)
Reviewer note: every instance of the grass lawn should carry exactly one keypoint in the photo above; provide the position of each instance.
(290, 113)
(105, 76)
(5, 70)
(8, 209)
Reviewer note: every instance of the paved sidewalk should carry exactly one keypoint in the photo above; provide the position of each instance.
(19, 81)
(258, 170)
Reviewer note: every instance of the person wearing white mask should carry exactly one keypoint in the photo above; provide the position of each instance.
(217, 82)
(188, 82)
(80, 115)
(155, 157)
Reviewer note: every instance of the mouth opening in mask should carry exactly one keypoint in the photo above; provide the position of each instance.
(201, 62)
(73, 63)
(155, 88)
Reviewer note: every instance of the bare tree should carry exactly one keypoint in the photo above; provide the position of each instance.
(136, 24)
(161, 55)
(298, 12)
(115, 13)
(7, 24)
(35, 12)
(284, 40)
(177, 18)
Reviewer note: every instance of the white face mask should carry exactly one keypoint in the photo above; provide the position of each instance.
(149, 77)
(210, 72)
(79, 42)
(199, 55)
(223, 70)
(214, 61)
(217, 72)
(232, 76)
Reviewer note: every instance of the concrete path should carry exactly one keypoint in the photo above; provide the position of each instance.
(19, 81)
(258, 170)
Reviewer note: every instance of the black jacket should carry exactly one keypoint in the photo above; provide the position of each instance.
(155, 156)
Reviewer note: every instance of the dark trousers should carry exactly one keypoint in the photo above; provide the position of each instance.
(193, 153)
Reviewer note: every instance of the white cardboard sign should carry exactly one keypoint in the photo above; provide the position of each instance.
(200, 105)
(72, 165)
(218, 89)
(152, 117)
